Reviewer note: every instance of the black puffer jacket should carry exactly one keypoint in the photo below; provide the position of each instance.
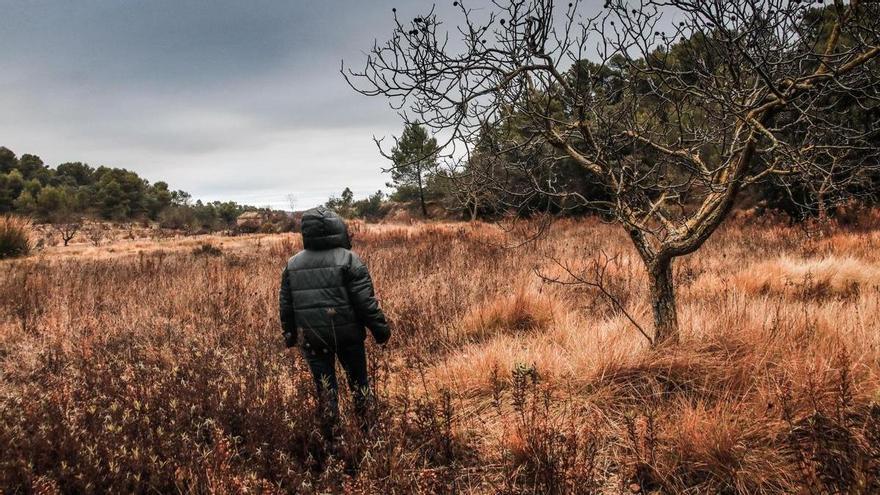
(326, 292)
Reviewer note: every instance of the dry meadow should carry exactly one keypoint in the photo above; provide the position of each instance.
(158, 367)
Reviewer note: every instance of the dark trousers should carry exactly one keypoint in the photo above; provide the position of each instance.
(323, 367)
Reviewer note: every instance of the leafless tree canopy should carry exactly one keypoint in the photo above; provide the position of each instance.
(67, 230)
(670, 107)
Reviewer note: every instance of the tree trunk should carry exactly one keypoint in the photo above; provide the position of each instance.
(474, 210)
(422, 196)
(823, 208)
(422, 200)
(663, 301)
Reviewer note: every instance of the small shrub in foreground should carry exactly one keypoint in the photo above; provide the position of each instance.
(552, 447)
(14, 237)
(207, 249)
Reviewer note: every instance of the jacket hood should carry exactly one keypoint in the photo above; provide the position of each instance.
(323, 229)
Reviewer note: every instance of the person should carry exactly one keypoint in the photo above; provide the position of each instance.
(326, 300)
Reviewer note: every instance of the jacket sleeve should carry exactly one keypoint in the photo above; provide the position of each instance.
(363, 298)
(285, 311)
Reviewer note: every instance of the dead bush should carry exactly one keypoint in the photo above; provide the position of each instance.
(15, 238)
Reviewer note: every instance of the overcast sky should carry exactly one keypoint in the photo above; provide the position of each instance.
(225, 99)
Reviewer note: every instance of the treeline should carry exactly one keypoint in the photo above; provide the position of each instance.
(74, 190)
(423, 187)
(373, 207)
(505, 173)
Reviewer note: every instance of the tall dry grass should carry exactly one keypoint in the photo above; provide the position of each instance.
(162, 369)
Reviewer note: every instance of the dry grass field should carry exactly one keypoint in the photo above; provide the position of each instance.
(159, 367)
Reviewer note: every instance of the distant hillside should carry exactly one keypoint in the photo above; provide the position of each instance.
(73, 190)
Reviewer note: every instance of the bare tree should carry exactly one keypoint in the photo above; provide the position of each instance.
(67, 227)
(670, 107)
(472, 189)
(96, 233)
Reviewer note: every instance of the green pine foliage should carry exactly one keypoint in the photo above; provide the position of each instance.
(414, 162)
(73, 189)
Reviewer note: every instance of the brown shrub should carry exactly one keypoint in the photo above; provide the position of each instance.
(207, 249)
(15, 236)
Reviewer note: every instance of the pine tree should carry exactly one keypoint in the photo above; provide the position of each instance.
(414, 159)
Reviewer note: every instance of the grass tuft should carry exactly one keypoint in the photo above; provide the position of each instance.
(523, 310)
(810, 279)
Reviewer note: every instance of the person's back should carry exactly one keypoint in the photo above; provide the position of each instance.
(326, 301)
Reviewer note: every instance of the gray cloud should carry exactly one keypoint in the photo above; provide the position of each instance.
(223, 98)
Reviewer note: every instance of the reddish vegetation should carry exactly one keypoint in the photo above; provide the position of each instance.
(164, 370)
